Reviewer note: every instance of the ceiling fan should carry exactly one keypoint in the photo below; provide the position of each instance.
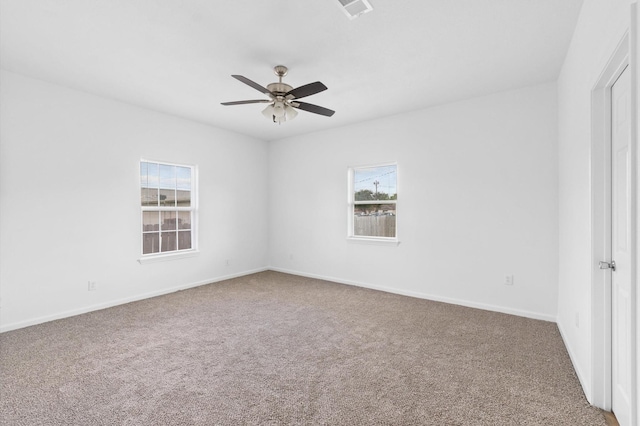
(284, 98)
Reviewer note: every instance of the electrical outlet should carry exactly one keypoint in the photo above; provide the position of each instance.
(92, 286)
(228, 262)
(508, 280)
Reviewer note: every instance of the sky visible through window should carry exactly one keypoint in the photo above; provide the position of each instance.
(385, 176)
(154, 175)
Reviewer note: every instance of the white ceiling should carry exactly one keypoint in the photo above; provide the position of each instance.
(177, 56)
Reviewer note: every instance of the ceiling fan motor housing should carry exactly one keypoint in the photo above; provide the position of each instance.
(279, 89)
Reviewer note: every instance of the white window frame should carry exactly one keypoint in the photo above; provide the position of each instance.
(351, 203)
(193, 208)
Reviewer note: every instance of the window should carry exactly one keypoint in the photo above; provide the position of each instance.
(373, 194)
(167, 199)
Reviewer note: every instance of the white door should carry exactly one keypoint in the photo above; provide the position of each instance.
(620, 249)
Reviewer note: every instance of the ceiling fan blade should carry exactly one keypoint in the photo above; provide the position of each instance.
(253, 84)
(313, 108)
(255, 101)
(306, 90)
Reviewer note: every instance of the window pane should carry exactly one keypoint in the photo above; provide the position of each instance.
(184, 240)
(183, 178)
(152, 175)
(150, 243)
(184, 220)
(168, 197)
(169, 241)
(375, 183)
(168, 221)
(371, 221)
(183, 198)
(150, 221)
(167, 176)
(149, 196)
(148, 184)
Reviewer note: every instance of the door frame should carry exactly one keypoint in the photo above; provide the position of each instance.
(601, 310)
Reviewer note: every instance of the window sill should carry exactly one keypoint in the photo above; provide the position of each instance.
(374, 241)
(166, 257)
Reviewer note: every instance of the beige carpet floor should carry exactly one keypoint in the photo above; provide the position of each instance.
(276, 349)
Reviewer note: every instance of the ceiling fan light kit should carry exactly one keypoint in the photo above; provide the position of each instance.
(283, 103)
(279, 112)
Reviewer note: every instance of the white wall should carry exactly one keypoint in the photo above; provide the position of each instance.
(477, 200)
(69, 164)
(600, 27)
(637, 73)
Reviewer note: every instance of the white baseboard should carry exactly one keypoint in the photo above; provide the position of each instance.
(112, 303)
(420, 295)
(586, 386)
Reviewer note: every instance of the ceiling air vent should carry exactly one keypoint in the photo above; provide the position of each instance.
(355, 8)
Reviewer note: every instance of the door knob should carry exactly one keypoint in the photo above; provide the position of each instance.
(607, 265)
